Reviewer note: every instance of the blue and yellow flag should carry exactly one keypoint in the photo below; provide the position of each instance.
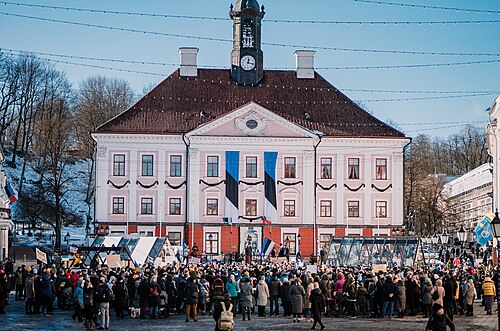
(483, 230)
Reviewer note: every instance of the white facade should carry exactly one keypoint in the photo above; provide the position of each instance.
(5, 222)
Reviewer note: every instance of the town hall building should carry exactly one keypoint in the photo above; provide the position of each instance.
(226, 157)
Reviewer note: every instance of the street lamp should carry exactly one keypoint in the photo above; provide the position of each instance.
(299, 238)
(444, 238)
(461, 234)
(495, 226)
(210, 238)
(434, 240)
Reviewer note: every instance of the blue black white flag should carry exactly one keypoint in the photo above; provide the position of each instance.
(270, 206)
(231, 211)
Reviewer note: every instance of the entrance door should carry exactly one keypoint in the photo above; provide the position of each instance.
(252, 235)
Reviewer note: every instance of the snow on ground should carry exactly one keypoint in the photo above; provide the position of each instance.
(75, 198)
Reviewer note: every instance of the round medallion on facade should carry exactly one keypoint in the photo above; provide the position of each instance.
(252, 124)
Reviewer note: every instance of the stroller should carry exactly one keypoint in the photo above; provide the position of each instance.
(164, 310)
(336, 307)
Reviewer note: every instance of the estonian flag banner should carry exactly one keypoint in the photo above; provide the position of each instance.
(270, 206)
(267, 246)
(231, 212)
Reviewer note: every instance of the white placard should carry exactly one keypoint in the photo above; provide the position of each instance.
(41, 256)
(195, 260)
(114, 261)
(312, 268)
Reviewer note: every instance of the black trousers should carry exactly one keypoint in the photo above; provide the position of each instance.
(317, 319)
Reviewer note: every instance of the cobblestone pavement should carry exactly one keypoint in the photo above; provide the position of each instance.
(15, 319)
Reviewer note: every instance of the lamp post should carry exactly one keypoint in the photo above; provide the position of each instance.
(299, 238)
(66, 239)
(462, 236)
(495, 226)
(210, 239)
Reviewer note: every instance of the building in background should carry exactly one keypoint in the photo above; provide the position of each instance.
(492, 139)
(225, 157)
(6, 197)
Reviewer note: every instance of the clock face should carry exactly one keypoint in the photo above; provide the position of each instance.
(247, 62)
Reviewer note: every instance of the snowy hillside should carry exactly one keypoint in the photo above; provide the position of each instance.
(73, 202)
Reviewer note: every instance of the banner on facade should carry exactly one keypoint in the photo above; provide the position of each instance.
(270, 205)
(231, 212)
(41, 256)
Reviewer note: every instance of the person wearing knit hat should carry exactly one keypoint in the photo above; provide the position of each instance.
(438, 321)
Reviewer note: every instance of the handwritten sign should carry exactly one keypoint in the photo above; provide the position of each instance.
(41, 256)
(114, 261)
(312, 268)
(195, 260)
(379, 267)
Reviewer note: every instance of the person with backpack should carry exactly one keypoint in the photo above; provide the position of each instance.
(438, 321)
(192, 297)
(246, 299)
(223, 314)
(489, 294)
(104, 297)
(154, 297)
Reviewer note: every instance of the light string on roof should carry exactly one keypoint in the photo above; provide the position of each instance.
(209, 18)
(411, 5)
(175, 35)
(397, 66)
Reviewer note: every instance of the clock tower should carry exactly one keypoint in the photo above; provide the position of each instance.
(246, 58)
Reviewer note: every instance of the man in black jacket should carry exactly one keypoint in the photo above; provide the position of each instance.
(274, 292)
(192, 295)
(450, 288)
(388, 295)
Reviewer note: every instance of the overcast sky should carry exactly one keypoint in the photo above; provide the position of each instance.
(41, 36)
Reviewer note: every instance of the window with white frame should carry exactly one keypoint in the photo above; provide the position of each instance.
(325, 208)
(212, 166)
(289, 208)
(147, 165)
(119, 165)
(381, 169)
(175, 166)
(353, 168)
(174, 206)
(353, 208)
(290, 167)
(118, 205)
(251, 167)
(212, 206)
(324, 242)
(326, 168)
(250, 207)
(146, 206)
(290, 241)
(381, 209)
(211, 243)
(174, 238)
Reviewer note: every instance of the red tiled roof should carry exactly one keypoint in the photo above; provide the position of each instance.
(174, 106)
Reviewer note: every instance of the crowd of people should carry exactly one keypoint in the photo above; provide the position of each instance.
(250, 290)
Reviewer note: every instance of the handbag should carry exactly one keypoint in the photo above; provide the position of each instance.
(435, 295)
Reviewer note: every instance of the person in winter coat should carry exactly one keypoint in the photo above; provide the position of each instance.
(218, 308)
(361, 297)
(350, 295)
(171, 291)
(78, 301)
(192, 297)
(120, 294)
(440, 289)
(310, 287)
(338, 288)
(317, 300)
(449, 295)
(204, 295)
(48, 292)
(88, 303)
(297, 294)
(274, 290)
(29, 293)
(246, 299)
(470, 294)
(262, 296)
(489, 293)
(388, 296)
(427, 298)
(438, 321)
(143, 292)
(400, 301)
(154, 297)
(103, 298)
(286, 299)
(233, 289)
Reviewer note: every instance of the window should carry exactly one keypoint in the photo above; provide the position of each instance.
(118, 165)
(289, 207)
(251, 207)
(175, 165)
(174, 238)
(211, 243)
(324, 242)
(326, 168)
(147, 206)
(212, 166)
(290, 167)
(175, 206)
(353, 169)
(353, 208)
(212, 207)
(381, 209)
(289, 240)
(326, 208)
(147, 165)
(119, 205)
(381, 169)
(251, 167)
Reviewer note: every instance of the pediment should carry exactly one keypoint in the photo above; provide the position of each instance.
(252, 120)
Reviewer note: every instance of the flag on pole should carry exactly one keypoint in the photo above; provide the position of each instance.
(267, 246)
(270, 206)
(483, 230)
(10, 192)
(231, 212)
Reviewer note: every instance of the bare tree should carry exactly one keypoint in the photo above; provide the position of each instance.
(98, 100)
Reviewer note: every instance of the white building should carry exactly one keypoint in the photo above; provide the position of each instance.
(492, 138)
(5, 222)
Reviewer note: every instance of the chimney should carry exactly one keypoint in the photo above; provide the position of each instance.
(305, 64)
(189, 67)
